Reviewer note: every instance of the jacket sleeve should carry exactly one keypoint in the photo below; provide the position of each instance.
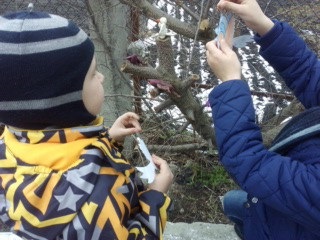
(153, 214)
(289, 55)
(115, 210)
(148, 209)
(280, 182)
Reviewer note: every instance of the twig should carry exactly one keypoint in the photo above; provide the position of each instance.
(195, 39)
(131, 96)
(207, 9)
(177, 148)
(188, 10)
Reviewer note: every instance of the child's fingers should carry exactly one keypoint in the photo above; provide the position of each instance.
(136, 125)
(131, 120)
(224, 46)
(211, 46)
(124, 132)
(157, 160)
(228, 6)
(161, 163)
(130, 116)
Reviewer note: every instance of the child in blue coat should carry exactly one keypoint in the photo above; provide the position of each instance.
(280, 196)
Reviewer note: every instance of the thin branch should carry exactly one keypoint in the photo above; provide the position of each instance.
(188, 10)
(267, 5)
(207, 9)
(288, 97)
(131, 96)
(152, 12)
(178, 148)
(273, 95)
(195, 39)
(183, 127)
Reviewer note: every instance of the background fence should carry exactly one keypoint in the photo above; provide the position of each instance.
(189, 54)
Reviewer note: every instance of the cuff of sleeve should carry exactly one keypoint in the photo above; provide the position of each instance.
(154, 198)
(113, 142)
(158, 204)
(225, 85)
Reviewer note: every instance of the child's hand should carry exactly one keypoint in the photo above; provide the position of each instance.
(164, 178)
(223, 62)
(125, 125)
(250, 12)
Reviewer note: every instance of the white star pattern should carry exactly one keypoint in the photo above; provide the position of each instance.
(68, 200)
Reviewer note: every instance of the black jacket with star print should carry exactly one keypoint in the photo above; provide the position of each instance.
(74, 184)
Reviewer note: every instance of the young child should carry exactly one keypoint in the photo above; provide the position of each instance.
(62, 175)
(280, 186)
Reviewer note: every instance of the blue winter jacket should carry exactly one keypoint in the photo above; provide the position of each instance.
(283, 191)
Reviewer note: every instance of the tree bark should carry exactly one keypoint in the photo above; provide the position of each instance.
(109, 35)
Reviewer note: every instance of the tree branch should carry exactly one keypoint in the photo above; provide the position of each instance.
(178, 148)
(183, 28)
(166, 58)
(166, 104)
(191, 80)
(207, 9)
(187, 10)
(288, 97)
(144, 72)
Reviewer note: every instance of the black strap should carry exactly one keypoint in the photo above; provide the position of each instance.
(299, 128)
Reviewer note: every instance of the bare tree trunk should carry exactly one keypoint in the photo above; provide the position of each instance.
(110, 36)
(109, 19)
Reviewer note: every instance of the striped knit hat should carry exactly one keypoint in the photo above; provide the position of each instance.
(44, 59)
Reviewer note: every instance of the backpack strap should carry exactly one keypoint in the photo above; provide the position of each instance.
(299, 128)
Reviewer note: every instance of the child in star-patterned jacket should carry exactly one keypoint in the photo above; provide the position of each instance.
(62, 173)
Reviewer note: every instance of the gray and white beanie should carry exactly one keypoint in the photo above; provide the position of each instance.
(44, 59)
